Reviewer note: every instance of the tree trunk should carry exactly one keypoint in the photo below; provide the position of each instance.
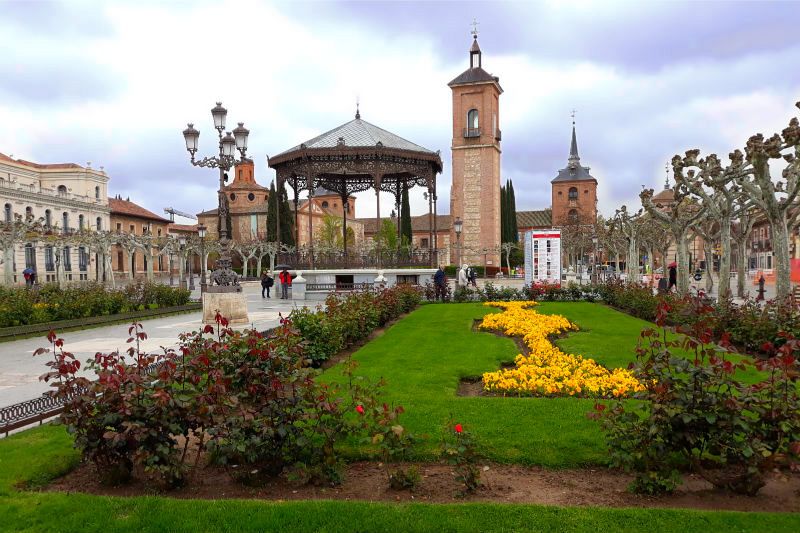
(181, 265)
(725, 258)
(150, 257)
(109, 269)
(683, 263)
(741, 267)
(8, 271)
(651, 264)
(780, 251)
(708, 251)
(633, 261)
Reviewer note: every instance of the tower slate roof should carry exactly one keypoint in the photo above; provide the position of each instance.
(358, 133)
(574, 171)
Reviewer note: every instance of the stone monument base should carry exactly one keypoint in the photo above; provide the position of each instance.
(231, 305)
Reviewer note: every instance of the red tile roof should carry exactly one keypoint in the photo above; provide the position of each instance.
(183, 227)
(127, 208)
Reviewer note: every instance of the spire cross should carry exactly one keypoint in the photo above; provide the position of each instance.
(474, 31)
(666, 180)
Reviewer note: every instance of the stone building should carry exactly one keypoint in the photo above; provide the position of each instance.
(247, 204)
(326, 203)
(475, 192)
(574, 191)
(66, 197)
(133, 219)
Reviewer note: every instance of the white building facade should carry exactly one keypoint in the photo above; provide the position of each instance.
(67, 197)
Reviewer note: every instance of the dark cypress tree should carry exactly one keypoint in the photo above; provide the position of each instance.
(405, 218)
(512, 213)
(287, 218)
(503, 213)
(272, 214)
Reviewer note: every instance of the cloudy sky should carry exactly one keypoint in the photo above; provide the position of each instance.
(114, 83)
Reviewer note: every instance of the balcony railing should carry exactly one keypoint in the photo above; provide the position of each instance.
(331, 287)
(470, 133)
(50, 192)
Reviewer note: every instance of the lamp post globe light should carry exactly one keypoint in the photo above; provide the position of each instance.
(229, 143)
(457, 227)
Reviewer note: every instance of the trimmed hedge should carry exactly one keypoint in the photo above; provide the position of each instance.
(21, 306)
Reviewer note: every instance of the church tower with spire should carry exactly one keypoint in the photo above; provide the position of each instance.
(574, 190)
(475, 193)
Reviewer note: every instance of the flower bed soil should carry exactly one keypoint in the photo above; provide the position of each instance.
(500, 484)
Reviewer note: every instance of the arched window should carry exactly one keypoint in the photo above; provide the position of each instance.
(48, 218)
(97, 192)
(573, 193)
(9, 213)
(30, 256)
(29, 213)
(65, 221)
(572, 216)
(99, 223)
(62, 190)
(80, 222)
(325, 204)
(472, 119)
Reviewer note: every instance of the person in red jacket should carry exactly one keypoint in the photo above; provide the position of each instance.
(286, 281)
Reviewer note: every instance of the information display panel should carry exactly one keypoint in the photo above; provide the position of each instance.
(543, 256)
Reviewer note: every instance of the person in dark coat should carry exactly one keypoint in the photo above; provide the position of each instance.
(266, 283)
(439, 283)
(673, 277)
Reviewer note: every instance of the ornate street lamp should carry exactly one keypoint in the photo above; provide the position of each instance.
(457, 227)
(594, 259)
(201, 232)
(223, 275)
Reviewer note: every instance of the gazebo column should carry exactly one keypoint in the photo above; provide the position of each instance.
(435, 229)
(296, 214)
(397, 206)
(345, 202)
(311, 221)
(279, 180)
(430, 223)
(378, 178)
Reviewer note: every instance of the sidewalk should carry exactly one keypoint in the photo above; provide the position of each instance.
(20, 371)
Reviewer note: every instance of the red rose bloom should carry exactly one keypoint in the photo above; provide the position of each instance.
(459, 429)
(360, 409)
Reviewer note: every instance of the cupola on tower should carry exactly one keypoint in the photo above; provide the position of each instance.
(475, 193)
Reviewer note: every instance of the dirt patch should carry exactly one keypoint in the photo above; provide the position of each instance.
(500, 484)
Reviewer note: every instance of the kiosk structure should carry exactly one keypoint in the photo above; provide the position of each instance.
(543, 256)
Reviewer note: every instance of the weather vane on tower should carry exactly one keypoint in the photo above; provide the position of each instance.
(666, 179)
(573, 115)
(474, 31)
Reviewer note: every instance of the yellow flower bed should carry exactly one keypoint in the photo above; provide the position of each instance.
(548, 371)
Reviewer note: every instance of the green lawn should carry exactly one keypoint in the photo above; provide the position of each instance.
(422, 356)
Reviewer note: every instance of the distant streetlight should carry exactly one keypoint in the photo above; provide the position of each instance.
(201, 232)
(457, 227)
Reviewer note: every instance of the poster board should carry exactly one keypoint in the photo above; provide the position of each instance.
(543, 256)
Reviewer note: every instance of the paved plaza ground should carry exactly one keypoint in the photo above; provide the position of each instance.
(20, 371)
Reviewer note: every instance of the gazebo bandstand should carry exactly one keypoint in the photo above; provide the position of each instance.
(354, 157)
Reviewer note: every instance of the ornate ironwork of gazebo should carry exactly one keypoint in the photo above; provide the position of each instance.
(354, 157)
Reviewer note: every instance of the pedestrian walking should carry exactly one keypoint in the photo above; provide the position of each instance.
(286, 281)
(673, 276)
(462, 275)
(761, 289)
(440, 283)
(266, 283)
(472, 276)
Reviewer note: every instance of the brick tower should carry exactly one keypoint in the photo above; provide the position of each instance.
(475, 193)
(574, 191)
